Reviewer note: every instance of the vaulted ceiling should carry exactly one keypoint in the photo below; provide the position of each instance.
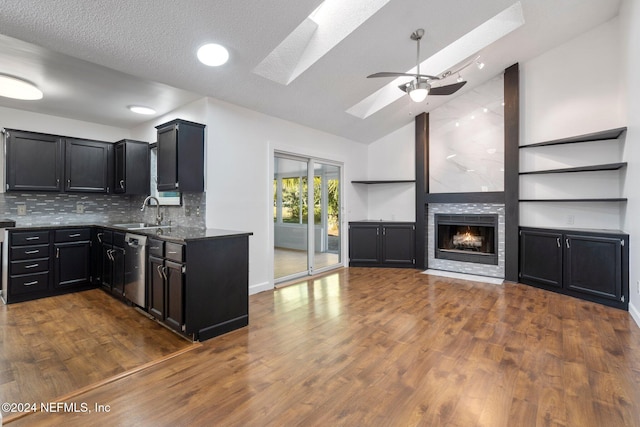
(93, 59)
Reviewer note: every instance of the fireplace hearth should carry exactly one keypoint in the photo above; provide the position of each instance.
(467, 238)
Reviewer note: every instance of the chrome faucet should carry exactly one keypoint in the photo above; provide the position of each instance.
(158, 214)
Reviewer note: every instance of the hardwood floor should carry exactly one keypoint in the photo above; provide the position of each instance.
(53, 346)
(391, 347)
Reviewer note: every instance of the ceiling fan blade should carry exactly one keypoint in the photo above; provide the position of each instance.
(447, 89)
(392, 74)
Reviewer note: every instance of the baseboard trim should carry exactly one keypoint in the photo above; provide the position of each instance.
(635, 313)
(260, 287)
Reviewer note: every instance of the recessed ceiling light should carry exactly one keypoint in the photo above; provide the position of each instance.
(139, 109)
(16, 88)
(213, 54)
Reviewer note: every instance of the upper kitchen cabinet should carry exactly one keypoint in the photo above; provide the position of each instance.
(33, 162)
(131, 167)
(181, 156)
(88, 166)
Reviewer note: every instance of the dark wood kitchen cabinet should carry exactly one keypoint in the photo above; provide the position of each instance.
(88, 166)
(34, 161)
(47, 262)
(180, 164)
(113, 251)
(131, 167)
(72, 258)
(587, 264)
(381, 244)
(166, 284)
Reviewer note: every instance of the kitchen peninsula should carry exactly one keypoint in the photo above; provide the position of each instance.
(196, 279)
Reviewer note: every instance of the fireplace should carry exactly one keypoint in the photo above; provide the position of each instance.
(467, 238)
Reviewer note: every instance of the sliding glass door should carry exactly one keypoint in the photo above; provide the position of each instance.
(306, 216)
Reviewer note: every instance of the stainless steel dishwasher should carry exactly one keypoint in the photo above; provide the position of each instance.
(135, 289)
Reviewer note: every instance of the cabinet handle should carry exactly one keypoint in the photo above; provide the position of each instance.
(33, 238)
(58, 182)
(558, 241)
(99, 236)
(164, 273)
(110, 254)
(172, 252)
(35, 282)
(69, 182)
(35, 251)
(57, 252)
(122, 184)
(567, 242)
(159, 268)
(31, 266)
(75, 235)
(384, 231)
(155, 248)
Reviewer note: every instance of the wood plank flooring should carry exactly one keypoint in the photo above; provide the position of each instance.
(53, 346)
(391, 347)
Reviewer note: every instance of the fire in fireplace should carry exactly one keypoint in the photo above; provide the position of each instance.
(467, 238)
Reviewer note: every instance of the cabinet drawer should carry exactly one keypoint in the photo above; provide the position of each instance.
(29, 252)
(73, 235)
(29, 266)
(30, 283)
(156, 247)
(174, 251)
(19, 238)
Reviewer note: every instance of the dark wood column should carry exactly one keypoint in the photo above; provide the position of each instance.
(422, 188)
(511, 170)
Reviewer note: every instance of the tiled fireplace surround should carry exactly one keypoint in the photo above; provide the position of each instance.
(466, 267)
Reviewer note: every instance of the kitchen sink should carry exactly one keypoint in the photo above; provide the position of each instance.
(140, 226)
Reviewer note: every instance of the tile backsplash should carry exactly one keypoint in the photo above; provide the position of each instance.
(63, 208)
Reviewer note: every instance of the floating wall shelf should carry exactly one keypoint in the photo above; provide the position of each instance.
(590, 168)
(611, 134)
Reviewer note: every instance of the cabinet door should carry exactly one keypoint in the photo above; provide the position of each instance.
(398, 244)
(119, 168)
(155, 287)
(96, 255)
(72, 264)
(174, 296)
(541, 258)
(167, 162)
(364, 246)
(593, 265)
(34, 162)
(117, 282)
(106, 276)
(87, 166)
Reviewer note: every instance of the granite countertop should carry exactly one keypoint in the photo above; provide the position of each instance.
(172, 233)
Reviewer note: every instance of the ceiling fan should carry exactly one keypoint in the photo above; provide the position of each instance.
(420, 86)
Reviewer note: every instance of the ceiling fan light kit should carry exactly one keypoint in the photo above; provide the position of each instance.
(420, 86)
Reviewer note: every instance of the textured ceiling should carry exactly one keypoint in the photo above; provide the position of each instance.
(93, 59)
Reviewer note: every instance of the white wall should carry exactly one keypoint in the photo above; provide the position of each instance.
(240, 146)
(392, 157)
(571, 90)
(630, 24)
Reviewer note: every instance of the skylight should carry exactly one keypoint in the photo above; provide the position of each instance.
(320, 32)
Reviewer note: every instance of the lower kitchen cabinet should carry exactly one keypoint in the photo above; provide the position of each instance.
(381, 244)
(166, 285)
(200, 288)
(72, 258)
(112, 277)
(46, 262)
(591, 265)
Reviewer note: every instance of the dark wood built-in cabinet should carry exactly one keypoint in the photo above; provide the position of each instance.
(46, 262)
(113, 251)
(180, 164)
(166, 283)
(72, 258)
(131, 167)
(34, 161)
(88, 166)
(592, 265)
(381, 244)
